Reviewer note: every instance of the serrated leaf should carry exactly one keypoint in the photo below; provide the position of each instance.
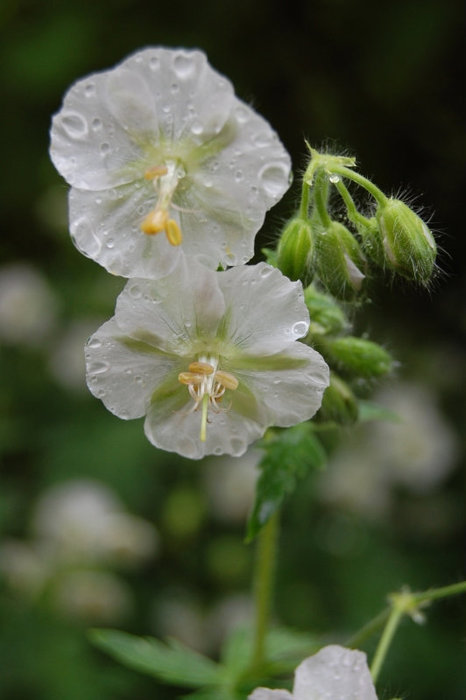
(173, 662)
(289, 455)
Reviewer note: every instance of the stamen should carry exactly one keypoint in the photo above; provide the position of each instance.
(190, 378)
(155, 222)
(201, 368)
(173, 232)
(156, 171)
(227, 380)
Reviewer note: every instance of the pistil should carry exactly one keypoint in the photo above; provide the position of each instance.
(165, 179)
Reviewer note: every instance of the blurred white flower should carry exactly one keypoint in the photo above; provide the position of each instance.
(160, 144)
(67, 363)
(417, 450)
(83, 521)
(334, 673)
(230, 485)
(180, 615)
(209, 357)
(92, 596)
(24, 568)
(28, 307)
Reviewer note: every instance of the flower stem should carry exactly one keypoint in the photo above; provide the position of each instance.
(385, 640)
(304, 205)
(353, 213)
(362, 181)
(263, 585)
(320, 198)
(205, 407)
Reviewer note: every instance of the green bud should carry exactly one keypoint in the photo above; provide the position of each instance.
(339, 261)
(358, 356)
(339, 404)
(372, 241)
(408, 244)
(326, 315)
(294, 248)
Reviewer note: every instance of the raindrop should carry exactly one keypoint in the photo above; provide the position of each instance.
(300, 328)
(196, 128)
(96, 124)
(94, 343)
(135, 291)
(104, 148)
(263, 138)
(154, 63)
(183, 65)
(238, 175)
(174, 88)
(110, 243)
(266, 271)
(89, 90)
(74, 124)
(98, 367)
(274, 179)
(241, 115)
(334, 178)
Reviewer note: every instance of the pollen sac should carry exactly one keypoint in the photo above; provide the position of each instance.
(226, 379)
(408, 244)
(201, 368)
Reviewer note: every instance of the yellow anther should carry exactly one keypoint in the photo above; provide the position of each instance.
(190, 378)
(155, 221)
(200, 368)
(227, 380)
(173, 232)
(156, 171)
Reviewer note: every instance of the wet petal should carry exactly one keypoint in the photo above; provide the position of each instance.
(266, 311)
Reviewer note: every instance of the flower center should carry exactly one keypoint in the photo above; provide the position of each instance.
(207, 385)
(165, 179)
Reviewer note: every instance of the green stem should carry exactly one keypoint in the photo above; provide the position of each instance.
(362, 181)
(385, 640)
(369, 629)
(436, 593)
(320, 198)
(263, 586)
(304, 205)
(353, 213)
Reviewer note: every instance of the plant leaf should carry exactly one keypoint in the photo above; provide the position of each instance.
(173, 662)
(289, 455)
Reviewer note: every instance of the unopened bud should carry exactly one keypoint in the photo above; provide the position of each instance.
(340, 261)
(339, 404)
(326, 315)
(360, 357)
(294, 248)
(408, 244)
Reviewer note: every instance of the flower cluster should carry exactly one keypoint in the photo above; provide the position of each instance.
(171, 176)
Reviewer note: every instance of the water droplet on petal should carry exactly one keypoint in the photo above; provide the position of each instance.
(184, 65)
(274, 179)
(265, 272)
(196, 128)
(104, 148)
(94, 343)
(154, 63)
(241, 115)
(300, 328)
(89, 90)
(238, 175)
(98, 367)
(334, 178)
(135, 291)
(74, 124)
(174, 88)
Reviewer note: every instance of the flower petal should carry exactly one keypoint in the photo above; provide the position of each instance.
(288, 385)
(266, 311)
(124, 372)
(334, 673)
(105, 226)
(180, 313)
(267, 694)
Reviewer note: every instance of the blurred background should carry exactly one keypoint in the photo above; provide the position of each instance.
(98, 527)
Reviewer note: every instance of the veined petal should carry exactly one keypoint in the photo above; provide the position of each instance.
(179, 313)
(334, 672)
(105, 226)
(266, 311)
(288, 385)
(124, 372)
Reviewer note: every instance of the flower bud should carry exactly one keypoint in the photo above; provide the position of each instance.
(408, 244)
(339, 404)
(372, 241)
(339, 261)
(358, 356)
(294, 248)
(326, 315)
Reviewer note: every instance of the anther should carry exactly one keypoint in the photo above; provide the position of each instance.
(173, 232)
(190, 378)
(201, 368)
(156, 171)
(227, 380)
(155, 222)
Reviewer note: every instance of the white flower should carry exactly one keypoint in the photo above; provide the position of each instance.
(161, 144)
(209, 357)
(334, 673)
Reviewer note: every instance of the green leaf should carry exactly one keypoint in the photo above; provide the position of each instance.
(289, 455)
(173, 662)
